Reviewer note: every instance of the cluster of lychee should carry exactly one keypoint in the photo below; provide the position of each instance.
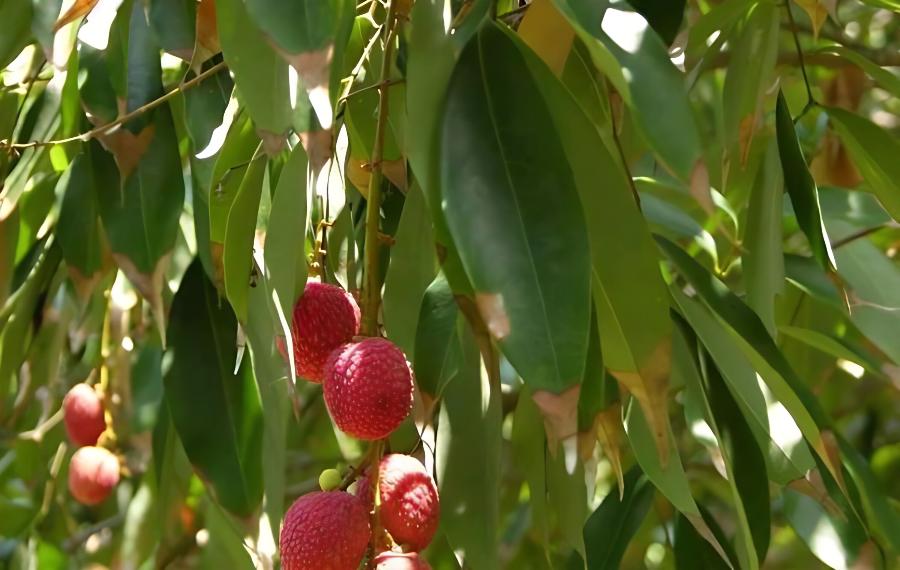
(93, 470)
(368, 389)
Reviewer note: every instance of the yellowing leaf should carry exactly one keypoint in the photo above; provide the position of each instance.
(817, 10)
(548, 33)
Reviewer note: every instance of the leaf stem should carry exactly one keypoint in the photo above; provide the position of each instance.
(372, 287)
(104, 129)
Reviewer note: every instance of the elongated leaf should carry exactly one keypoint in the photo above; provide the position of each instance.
(882, 76)
(760, 348)
(830, 538)
(237, 256)
(174, 23)
(832, 346)
(801, 187)
(437, 351)
(629, 294)
(217, 413)
(528, 446)
(871, 149)
(763, 260)
(548, 34)
(16, 14)
(691, 551)
(412, 268)
(670, 477)
(612, 525)
(636, 61)
(496, 177)
(79, 219)
(260, 75)
(470, 435)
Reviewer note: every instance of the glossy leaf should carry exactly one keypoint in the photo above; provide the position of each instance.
(801, 187)
(537, 314)
(240, 231)
(216, 412)
(79, 219)
(628, 291)
(437, 349)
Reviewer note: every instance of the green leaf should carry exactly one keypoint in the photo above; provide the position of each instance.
(882, 76)
(216, 412)
(663, 16)
(763, 260)
(801, 187)
(285, 254)
(691, 551)
(637, 63)
(830, 538)
(232, 161)
(804, 273)
(437, 349)
(470, 435)
(237, 256)
(873, 150)
(297, 25)
(410, 272)
(755, 341)
(567, 498)
(629, 294)
(787, 459)
(831, 345)
(511, 238)
(529, 450)
(613, 524)
(261, 77)
(16, 17)
(79, 219)
(174, 23)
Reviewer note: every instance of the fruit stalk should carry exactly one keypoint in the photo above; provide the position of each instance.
(372, 288)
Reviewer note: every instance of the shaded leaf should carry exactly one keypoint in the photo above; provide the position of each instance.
(223, 436)
(16, 14)
(237, 255)
(437, 351)
(663, 16)
(79, 220)
(801, 187)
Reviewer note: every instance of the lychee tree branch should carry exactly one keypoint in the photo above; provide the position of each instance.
(371, 300)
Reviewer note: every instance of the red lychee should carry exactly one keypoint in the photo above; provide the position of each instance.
(326, 530)
(410, 508)
(400, 561)
(368, 387)
(83, 413)
(324, 318)
(93, 474)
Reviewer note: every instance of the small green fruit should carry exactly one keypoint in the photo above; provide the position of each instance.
(330, 479)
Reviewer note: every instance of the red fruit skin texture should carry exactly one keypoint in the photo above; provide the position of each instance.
(324, 318)
(400, 561)
(325, 530)
(410, 507)
(93, 474)
(368, 388)
(83, 413)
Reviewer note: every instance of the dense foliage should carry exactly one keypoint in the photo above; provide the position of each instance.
(642, 259)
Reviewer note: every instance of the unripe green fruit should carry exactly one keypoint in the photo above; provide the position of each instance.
(330, 479)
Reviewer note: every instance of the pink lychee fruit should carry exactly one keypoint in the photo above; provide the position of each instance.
(410, 507)
(83, 415)
(400, 561)
(326, 530)
(368, 387)
(325, 317)
(93, 474)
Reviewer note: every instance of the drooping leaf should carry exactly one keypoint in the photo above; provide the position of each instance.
(17, 15)
(871, 149)
(801, 187)
(831, 539)
(510, 238)
(79, 220)
(470, 435)
(437, 350)
(636, 61)
(217, 413)
(613, 524)
(628, 291)
(691, 551)
(664, 17)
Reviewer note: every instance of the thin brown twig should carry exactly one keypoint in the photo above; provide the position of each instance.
(861, 234)
(104, 129)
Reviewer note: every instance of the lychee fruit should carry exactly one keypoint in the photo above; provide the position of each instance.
(325, 317)
(93, 474)
(83, 414)
(324, 530)
(400, 561)
(410, 507)
(368, 387)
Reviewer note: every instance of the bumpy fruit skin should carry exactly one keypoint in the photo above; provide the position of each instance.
(324, 318)
(410, 508)
(93, 474)
(368, 387)
(83, 413)
(326, 530)
(400, 561)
